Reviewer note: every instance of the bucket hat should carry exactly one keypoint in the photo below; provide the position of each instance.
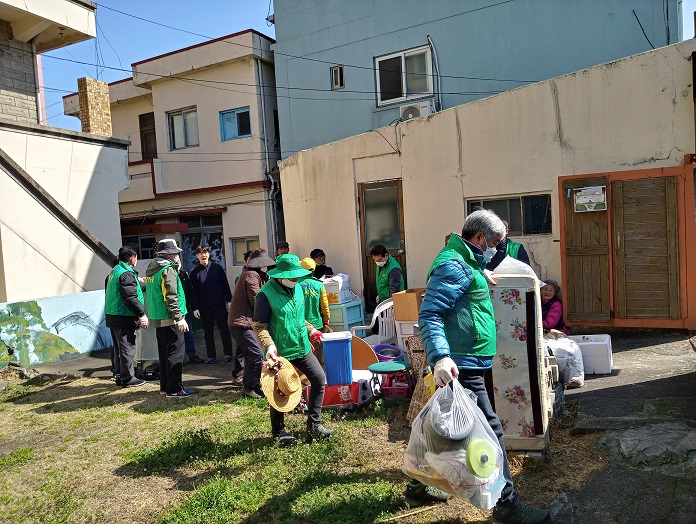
(308, 264)
(288, 266)
(167, 246)
(259, 260)
(281, 385)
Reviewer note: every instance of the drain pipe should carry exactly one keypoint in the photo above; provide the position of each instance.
(438, 102)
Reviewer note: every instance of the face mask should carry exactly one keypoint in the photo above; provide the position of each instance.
(288, 283)
(488, 254)
(177, 258)
(381, 264)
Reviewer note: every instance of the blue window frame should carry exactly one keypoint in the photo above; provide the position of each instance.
(235, 123)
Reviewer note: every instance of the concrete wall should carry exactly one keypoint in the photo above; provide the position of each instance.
(40, 257)
(17, 79)
(630, 114)
(482, 49)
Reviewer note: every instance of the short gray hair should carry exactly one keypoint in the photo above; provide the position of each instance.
(485, 221)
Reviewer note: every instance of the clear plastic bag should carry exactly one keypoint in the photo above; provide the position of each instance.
(453, 448)
(569, 357)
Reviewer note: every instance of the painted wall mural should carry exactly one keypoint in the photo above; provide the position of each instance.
(53, 329)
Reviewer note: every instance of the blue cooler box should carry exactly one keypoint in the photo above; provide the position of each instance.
(338, 358)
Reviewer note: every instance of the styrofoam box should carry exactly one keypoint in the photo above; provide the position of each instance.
(597, 358)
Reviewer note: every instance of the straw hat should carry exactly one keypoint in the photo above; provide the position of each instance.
(281, 385)
(288, 266)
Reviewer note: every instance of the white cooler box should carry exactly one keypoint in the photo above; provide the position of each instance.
(597, 358)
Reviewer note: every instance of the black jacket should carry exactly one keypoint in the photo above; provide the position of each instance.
(188, 291)
(522, 255)
(209, 285)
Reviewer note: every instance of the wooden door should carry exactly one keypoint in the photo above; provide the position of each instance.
(646, 248)
(586, 291)
(381, 222)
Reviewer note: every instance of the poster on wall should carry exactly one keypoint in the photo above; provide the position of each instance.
(590, 199)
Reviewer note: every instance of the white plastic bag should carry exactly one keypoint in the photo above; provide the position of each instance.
(453, 448)
(569, 357)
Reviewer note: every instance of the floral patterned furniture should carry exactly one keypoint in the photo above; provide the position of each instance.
(521, 385)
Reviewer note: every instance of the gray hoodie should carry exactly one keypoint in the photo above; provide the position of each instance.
(171, 302)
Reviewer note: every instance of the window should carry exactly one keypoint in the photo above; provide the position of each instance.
(202, 230)
(144, 245)
(404, 75)
(235, 123)
(148, 140)
(337, 77)
(526, 215)
(241, 246)
(183, 128)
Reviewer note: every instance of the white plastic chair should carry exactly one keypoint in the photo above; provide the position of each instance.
(384, 318)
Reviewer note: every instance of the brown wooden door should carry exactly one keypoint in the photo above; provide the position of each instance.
(381, 222)
(646, 248)
(587, 283)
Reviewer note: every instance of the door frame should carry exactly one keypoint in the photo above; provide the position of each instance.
(686, 222)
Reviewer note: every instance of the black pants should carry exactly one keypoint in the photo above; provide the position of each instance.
(473, 381)
(309, 365)
(209, 316)
(115, 363)
(124, 347)
(170, 346)
(249, 349)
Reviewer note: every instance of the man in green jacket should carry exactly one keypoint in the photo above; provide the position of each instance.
(508, 247)
(166, 305)
(390, 278)
(125, 312)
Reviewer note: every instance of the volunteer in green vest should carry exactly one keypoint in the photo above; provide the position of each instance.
(390, 278)
(508, 247)
(124, 309)
(166, 306)
(457, 325)
(280, 325)
(316, 304)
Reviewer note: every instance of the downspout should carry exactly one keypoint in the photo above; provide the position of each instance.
(270, 205)
(438, 101)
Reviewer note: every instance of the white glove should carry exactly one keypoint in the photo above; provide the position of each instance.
(445, 371)
(490, 277)
(144, 322)
(272, 352)
(182, 325)
(197, 314)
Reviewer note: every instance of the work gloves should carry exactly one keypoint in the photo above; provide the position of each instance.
(182, 325)
(315, 335)
(272, 352)
(445, 371)
(144, 322)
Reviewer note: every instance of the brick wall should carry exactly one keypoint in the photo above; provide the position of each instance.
(95, 108)
(17, 80)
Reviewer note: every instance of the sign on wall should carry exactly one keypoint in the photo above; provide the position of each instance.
(590, 199)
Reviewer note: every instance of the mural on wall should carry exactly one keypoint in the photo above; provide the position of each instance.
(53, 329)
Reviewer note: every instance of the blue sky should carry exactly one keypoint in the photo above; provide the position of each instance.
(123, 40)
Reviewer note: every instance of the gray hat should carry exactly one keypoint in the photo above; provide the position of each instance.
(259, 260)
(167, 246)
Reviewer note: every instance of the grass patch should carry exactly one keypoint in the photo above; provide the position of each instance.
(16, 458)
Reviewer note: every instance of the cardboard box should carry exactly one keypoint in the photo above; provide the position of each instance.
(338, 289)
(407, 303)
(597, 358)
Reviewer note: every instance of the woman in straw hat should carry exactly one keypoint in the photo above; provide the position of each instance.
(280, 325)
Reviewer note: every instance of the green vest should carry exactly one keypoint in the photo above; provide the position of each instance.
(312, 288)
(512, 248)
(114, 303)
(470, 324)
(287, 324)
(156, 303)
(383, 289)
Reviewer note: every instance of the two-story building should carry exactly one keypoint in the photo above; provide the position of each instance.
(203, 127)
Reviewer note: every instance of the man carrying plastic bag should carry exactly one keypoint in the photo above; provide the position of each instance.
(458, 329)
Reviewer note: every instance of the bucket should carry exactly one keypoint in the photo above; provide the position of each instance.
(387, 352)
(338, 357)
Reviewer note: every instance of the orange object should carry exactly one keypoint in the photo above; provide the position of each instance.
(362, 353)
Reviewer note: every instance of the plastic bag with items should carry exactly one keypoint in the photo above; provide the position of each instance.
(569, 357)
(453, 448)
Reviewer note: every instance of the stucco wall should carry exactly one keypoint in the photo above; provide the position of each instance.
(633, 113)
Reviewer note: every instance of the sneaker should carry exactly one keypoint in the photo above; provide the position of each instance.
(117, 379)
(195, 359)
(285, 438)
(134, 383)
(181, 394)
(317, 431)
(211, 360)
(519, 513)
(418, 494)
(251, 393)
(228, 358)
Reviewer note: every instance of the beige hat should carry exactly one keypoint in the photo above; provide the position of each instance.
(281, 385)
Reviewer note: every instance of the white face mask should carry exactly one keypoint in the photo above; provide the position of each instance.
(488, 254)
(177, 258)
(288, 283)
(382, 263)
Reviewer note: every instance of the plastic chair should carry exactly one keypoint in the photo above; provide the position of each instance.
(384, 318)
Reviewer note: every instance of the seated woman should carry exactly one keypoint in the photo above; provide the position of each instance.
(552, 308)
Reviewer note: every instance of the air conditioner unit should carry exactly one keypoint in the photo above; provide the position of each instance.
(416, 109)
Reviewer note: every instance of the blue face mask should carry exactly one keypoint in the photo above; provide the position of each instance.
(488, 254)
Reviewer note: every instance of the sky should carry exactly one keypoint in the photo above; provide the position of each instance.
(122, 39)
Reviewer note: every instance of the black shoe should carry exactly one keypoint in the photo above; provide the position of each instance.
(180, 394)
(317, 431)
(116, 379)
(418, 494)
(519, 513)
(285, 438)
(228, 358)
(211, 360)
(195, 359)
(134, 383)
(251, 393)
